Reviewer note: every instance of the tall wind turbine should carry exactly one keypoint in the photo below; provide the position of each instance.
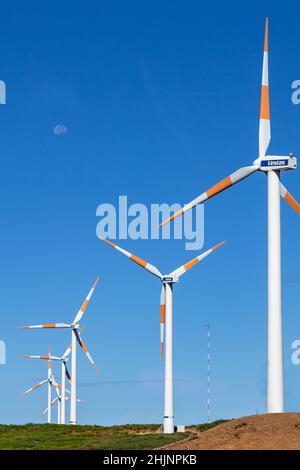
(271, 166)
(166, 322)
(75, 337)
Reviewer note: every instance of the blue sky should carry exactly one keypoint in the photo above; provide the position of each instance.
(161, 100)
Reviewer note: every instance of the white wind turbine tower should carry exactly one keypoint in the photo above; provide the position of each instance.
(50, 381)
(75, 337)
(271, 166)
(166, 322)
(64, 373)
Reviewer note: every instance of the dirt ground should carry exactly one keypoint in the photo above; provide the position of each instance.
(268, 431)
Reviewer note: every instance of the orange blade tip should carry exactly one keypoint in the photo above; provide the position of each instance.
(172, 217)
(165, 221)
(266, 35)
(107, 241)
(218, 245)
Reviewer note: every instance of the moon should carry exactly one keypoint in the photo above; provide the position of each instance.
(60, 129)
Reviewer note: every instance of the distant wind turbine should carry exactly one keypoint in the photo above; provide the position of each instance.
(50, 381)
(64, 373)
(76, 337)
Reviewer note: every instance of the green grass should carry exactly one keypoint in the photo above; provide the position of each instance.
(51, 436)
(207, 426)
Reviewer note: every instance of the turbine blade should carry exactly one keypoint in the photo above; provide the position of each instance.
(85, 350)
(230, 180)
(47, 325)
(53, 358)
(55, 385)
(162, 320)
(68, 374)
(149, 267)
(289, 199)
(36, 386)
(264, 121)
(78, 400)
(52, 403)
(85, 303)
(185, 267)
(69, 348)
(67, 351)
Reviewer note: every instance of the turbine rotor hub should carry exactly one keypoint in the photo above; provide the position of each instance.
(170, 279)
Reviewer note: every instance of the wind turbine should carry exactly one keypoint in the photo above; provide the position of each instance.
(50, 381)
(64, 373)
(166, 318)
(75, 337)
(271, 166)
(58, 400)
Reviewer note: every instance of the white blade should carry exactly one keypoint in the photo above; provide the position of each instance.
(227, 182)
(52, 358)
(47, 325)
(149, 267)
(67, 374)
(78, 400)
(67, 351)
(85, 350)
(264, 121)
(85, 303)
(69, 348)
(289, 199)
(52, 403)
(36, 386)
(184, 268)
(56, 385)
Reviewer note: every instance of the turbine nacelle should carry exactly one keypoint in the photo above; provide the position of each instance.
(275, 162)
(170, 279)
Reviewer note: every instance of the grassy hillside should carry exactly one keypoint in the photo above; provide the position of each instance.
(51, 436)
(274, 431)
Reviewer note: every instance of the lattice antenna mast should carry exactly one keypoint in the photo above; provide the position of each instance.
(208, 374)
